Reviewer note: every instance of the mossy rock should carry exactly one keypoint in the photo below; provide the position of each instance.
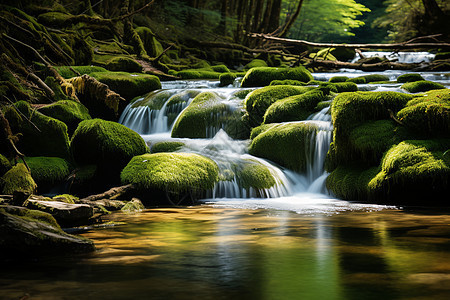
(251, 174)
(262, 76)
(128, 85)
(283, 143)
(152, 46)
(66, 72)
(258, 101)
(220, 69)
(227, 79)
(338, 79)
(107, 144)
(48, 171)
(198, 74)
(18, 178)
(205, 116)
(123, 63)
(294, 108)
(68, 111)
(255, 63)
(428, 114)
(40, 135)
(55, 19)
(414, 172)
(287, 82)
(340, 87)
(421, 86)
(5, 165)
(171, 172)
(409, 77)
(369, 78)
(167, 146)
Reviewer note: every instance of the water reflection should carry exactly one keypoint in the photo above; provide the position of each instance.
(225, 253)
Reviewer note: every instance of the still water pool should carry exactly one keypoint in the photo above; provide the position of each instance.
(217, 251)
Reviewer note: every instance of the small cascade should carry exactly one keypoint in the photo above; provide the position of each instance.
(401, 57)
(153, 116)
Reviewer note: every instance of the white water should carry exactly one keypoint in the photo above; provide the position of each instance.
(401, 57)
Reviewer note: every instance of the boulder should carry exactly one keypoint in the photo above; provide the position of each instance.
(421, 86)
(262, 76)
(33, 233)
(18, 178)
(48, 171)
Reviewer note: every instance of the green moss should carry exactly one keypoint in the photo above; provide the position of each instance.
(255, 63)
(123, 63)
(67, 111)
(66, 198)
(152, 46)
(41, 135)
(132, 206)
(340, 87)
(428, 114)
(421, 86)
(283, 144)
(293, 108)
(258, 101)
(128, 85)
(413, 171)
(409, 77)
(262, 76)
(227, 79)
(287, 82)
(253, 174)
(54, 19)
(66, 72)
(105, 143)
(198, 74)
(172, 172)
(338, 79)
(32, 214)
(48, 171)
(206, 112)
(5, 165)
(220, 69)
(166, 147)
(18, 178)
(369, 78)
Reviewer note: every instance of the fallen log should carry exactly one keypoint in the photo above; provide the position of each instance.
(405, 45)
(111, 193)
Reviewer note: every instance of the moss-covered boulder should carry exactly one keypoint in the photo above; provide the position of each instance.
(205, 116)
(414, 172)
(128, 85)
(123, 63)
(41, 135)
(294, 108)
(421, 86)
(409, 77)
(258, 101)
(287, 82)
(167, 146)
(262, 76)
(251, 174)
(107, 144)
(18, 178)
(338, 79)
(32, 233)
(171, 172)
(283, 143)
(5, 165)
(48, 171)
(68, 111)
(369, 78)
(66, 71)
(255, 63)
(151, 44)
(428, 114)
(227, 79)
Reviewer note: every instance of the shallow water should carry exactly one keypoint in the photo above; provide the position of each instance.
(221, 252)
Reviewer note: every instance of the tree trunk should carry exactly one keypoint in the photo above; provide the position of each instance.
(291, 20)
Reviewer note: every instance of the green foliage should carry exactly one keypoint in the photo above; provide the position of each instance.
(283, 143)
(294, 108)
(421, 86)
(258, 101)
(68, 111)
(106, 144)
(128, 85)
(18, 178)
(40, 135)
(262, 76)
(171, 172)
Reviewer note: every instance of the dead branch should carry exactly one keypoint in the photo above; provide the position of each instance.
(109, 194)
(12, 139)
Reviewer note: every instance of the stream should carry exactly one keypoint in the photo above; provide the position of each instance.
(292, 241)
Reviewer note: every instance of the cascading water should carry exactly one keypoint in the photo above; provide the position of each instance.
(153, 117)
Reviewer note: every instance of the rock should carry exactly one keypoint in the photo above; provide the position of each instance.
(18, 178)
(421, 86)
(409, 77)
(369, 78)
(34, 233)
(262, 76)
(65, 213)
(133, 206)
(48, 172)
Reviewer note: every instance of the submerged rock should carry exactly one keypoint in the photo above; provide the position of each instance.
(34, 233)
(262, 76)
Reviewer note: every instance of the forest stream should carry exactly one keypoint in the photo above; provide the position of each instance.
(292, 241)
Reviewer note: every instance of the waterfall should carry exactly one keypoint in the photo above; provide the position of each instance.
(401, 57)
(152, 116)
